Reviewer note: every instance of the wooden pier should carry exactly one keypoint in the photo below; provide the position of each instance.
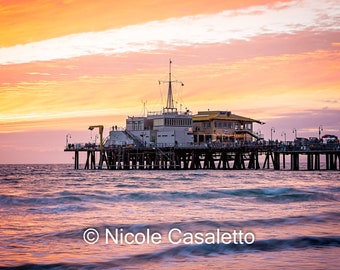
(208, 158)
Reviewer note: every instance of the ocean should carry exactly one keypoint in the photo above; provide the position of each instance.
(54, 217)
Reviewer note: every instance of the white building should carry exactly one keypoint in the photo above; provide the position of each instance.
(168, 128)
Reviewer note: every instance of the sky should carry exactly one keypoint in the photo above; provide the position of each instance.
(69, 64)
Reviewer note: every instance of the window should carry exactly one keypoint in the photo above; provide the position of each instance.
(248, 126)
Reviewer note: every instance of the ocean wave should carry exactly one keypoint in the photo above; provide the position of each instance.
(272, 195)
(11, 200)
(302, 242)
(207, 225)
(127, 186)
(277, 195)
(205, 250)
(59, 209)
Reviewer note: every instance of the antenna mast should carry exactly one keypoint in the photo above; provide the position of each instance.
(170, 108)
(170, 100)
(144, 106)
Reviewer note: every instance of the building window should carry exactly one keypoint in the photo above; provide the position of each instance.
(248, 126)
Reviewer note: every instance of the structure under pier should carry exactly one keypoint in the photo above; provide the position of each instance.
(193, 158)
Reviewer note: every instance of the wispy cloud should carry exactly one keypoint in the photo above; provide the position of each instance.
(222, 27)
(39, 73)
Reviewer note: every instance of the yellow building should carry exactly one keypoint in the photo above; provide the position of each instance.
(223, 126)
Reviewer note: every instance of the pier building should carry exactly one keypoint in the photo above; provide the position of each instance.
(223, 127)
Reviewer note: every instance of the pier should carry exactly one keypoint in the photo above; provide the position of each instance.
(173, 139)
(248, 157)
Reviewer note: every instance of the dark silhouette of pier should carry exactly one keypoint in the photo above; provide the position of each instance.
(220, 157)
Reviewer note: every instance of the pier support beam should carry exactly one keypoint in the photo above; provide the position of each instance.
(239, 161)
(195, 160)
(276, 161)
(284, 161)
(269, 155)
(317, 161)
(76, 159)
(310, 162)
(102, 159)
(295, 164)
(223, 162)
(331, 161)
(254, 161)
(90, 160)
(209, 162)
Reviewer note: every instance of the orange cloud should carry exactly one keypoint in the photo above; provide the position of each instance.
(35, 20)
(276, 82)
(268, 84)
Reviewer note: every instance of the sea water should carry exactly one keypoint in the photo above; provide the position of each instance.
(54, 217)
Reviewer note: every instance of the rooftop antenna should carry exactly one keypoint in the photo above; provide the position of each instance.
(170, 99)
(170, 108)
(144, 106)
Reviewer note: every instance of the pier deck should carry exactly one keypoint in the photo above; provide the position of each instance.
(209, 158)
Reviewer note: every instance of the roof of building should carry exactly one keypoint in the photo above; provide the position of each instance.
(221, 115)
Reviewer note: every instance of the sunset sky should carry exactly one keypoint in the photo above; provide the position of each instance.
(68, 64)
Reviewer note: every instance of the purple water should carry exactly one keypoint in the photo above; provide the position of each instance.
(46, 209)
